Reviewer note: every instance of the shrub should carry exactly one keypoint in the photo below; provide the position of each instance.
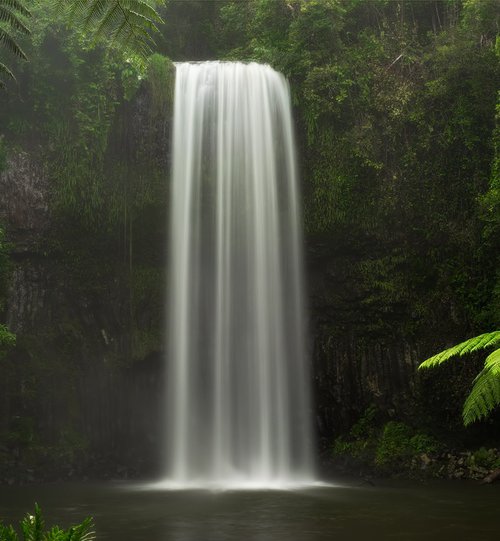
(33, 529)
(485, 458)
(399, 444)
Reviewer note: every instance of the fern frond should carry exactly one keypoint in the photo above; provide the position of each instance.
(8, 16)
(144, 10)
(16, 5)
(477, 343)
(94, 13)
(485, 394)
(5, 71)
(11, 19)
(128, 24)
(9, 43)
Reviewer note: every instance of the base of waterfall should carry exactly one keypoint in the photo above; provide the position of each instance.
(236, 483)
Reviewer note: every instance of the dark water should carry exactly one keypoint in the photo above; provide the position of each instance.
(436, 511)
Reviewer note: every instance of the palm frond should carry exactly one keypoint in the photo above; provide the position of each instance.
(485, 394)
(477, 343)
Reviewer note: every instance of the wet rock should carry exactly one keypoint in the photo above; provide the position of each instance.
(24, 205)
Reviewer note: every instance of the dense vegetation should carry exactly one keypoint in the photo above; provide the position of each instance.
(397, 106)
(397, 111)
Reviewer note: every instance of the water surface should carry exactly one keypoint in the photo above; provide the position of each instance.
(435, 511)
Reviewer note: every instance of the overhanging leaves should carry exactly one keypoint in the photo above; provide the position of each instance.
(485, 394)
(477, 343)
(128, 24)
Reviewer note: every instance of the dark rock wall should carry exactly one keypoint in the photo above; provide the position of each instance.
(80, 393)
(84, 384)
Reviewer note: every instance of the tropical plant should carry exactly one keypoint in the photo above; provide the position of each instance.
(485, 394)
(126, 24)
(33, 529)
(12, 19)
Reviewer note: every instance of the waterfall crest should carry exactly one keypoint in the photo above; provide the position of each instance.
(237, 379)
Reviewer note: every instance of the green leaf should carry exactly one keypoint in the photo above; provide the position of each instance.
(5, 71)
(82, 532)
(7, 16)
(485, 394)
(16, 5)
(128, 24)
(477, 343)
(32, 526)
(9, 43)
(7, 533)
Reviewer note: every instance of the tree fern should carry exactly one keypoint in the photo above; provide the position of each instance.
(485, 394)
(128, 24)
(12, 21)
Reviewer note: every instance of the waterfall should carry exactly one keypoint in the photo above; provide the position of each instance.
(238, 401)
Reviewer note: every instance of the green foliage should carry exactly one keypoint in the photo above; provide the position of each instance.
(13, 15)
(389, 447)
(7, 340)
(395, 105)
(361, 440)
(365, 426)
(471, 345)
(484, 458)
(398, 444)
(146, 284)
(33, 529)
(160, 76)
(485, 394)
(125, 25)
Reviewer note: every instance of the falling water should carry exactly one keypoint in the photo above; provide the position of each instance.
(238, 398)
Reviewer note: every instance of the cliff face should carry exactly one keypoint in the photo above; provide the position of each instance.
(359, 357)
(25, 201)
(81, 392)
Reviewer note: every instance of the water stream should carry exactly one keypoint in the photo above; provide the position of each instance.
(238, 397)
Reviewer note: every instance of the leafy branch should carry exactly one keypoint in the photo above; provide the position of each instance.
(126, 25)
(485, 393)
